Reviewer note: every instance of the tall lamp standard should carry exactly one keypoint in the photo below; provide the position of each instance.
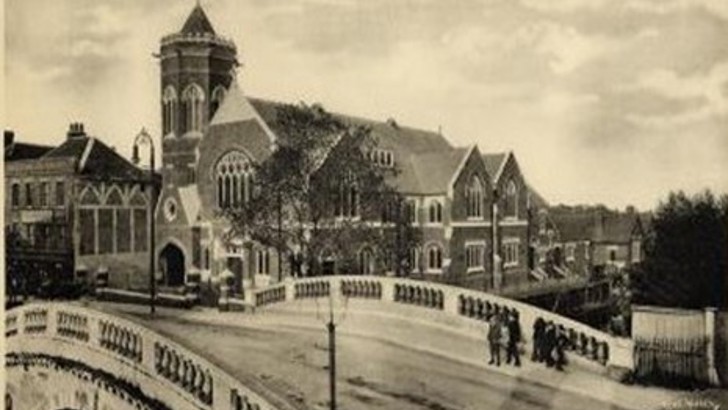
(331, 322)
(144, 138)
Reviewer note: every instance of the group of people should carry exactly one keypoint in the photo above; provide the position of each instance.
(549, 344)
(504, 335)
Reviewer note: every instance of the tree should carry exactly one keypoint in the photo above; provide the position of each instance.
(686, 254)
(319, 192)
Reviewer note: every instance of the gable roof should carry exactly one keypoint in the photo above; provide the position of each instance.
(494, 162)
(428, 173)
(16, 151)
(595, 224)
(425, 160)
(94, 158)
(197, 22)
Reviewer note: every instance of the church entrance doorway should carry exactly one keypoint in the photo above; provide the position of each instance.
(172, 265)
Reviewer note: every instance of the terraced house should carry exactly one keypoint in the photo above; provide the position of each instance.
(471, 207)
(73, 211)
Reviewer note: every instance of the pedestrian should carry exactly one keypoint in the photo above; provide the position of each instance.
(505, 331)
(494, 335)
(561, 341)
(549, 343)
(538, 335)
(514, 338)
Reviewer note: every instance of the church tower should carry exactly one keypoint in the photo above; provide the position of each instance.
(196, 70)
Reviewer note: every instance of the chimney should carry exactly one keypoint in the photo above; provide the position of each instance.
(630, 209)
(9, 137)
(75, 130)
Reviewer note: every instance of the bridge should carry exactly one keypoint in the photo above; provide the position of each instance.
(403, 344)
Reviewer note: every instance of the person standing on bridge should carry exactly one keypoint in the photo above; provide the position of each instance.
(514, 338)
(538, 339)
(494, 336)
(549, 344)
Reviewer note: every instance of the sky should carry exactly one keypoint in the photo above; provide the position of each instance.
(602, 101)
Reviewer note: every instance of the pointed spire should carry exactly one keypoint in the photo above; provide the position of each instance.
(197, 22)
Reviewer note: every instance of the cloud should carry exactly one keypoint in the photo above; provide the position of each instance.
(717, 8)
(710, 88)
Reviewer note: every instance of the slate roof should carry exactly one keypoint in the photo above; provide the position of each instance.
(494, 162)
(197, 22)
(575, 224)
(429, 172)
(426, 161)
(17, 151)
(94, 158)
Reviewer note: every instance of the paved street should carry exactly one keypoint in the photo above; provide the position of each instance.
(290, 357)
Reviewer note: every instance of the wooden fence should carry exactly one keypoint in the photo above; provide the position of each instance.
(672, 362)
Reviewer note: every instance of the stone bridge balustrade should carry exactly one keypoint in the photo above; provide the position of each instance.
(121, 340)
(35, 320)
(11, 324)
(133, 354)
(72, 325)
(474, 307)
(419, 294)
(361, 288)
(312, 288)
(270, 295)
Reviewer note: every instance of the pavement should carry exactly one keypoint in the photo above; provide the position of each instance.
(385, 360)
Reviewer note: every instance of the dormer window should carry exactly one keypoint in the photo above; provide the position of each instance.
(475, 198)
(382, 158)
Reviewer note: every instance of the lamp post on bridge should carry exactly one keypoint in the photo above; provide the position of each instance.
(331, 323)
(141, 139)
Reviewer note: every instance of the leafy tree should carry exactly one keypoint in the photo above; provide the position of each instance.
(686, 254)
(319, 191)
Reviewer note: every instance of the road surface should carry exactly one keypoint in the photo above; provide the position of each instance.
(371, 373)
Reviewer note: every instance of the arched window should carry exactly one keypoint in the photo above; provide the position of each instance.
(366, 261)
(169, 110)
(218, 96)
(347, 201)
(194, 107)
(434, 257)
(413, 260)
(511, 210)
(262, 262)
(475, 198)
(233, 180)
(435, 212)
(15, 195)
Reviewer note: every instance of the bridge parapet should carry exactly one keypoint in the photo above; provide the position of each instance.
(165, 371)
(468, 308)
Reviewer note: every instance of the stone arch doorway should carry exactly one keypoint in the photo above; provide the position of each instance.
(172, 265)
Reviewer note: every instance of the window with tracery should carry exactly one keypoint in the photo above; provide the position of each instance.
(347, 199)
(434, 257)
(511, 210)
(169, 109)
(475, 198)
(194, 107)
(233, 180)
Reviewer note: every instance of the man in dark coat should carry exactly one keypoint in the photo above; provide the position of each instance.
(549, 343)
(561, 341)
(538, 333)
(514, 337)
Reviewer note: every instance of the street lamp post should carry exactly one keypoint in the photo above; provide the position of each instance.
(331, 326)
(144, 138)
(331, 320)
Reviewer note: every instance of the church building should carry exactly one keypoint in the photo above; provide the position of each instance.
(471, 207)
